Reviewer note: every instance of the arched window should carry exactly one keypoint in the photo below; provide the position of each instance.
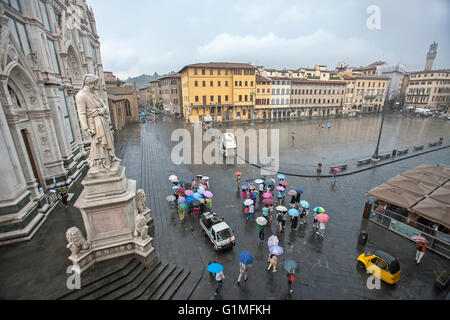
(127, 108)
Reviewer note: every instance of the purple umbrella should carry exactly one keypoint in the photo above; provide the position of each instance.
(189, 193)
(181, 199)
(208, 194)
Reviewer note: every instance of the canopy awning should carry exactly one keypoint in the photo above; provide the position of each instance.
(398, 196)
(412, 185)
(433, 210)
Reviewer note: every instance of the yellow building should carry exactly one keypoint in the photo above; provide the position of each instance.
(224, 91)
(263, 94)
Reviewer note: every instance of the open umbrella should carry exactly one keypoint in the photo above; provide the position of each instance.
(182, 206)
(205, 179)
(201, 190)
(196, 203)
(245, 257)
(201, 200)
(259, 181)
(238, 173)
(181, 190)
(282, 208)
(279, 188)
(269, 201)
(419, 239)
(318, 209)
(209, 194)
(189, 193)
(176, 187)
(261, 221)
(276, 250)
(337, 170)
(190, 199)
(188, 185)
(181, 199)
(215, 268)
(281, 176)
(304, 204)
(251, 187)
(197, 195)
(244, 187)
(172, 178)
(171, 198)
(248, 202)
(182, 182)
(322, 217)
(272, 241)
(299, 191)
(293, 212)
(292, 193)
(249, 180)
(269, 182)
(284, 183)
(290, 266)
(267, 195)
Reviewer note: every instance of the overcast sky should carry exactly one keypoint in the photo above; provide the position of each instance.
(147, 36)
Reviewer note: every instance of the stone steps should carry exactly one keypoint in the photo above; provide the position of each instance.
(133, 280)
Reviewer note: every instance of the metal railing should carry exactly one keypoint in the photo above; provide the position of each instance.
(439, 242)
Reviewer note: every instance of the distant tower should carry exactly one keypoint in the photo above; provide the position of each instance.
(431, 55)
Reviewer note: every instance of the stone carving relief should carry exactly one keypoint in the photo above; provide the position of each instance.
(74, 67)
(77, 243)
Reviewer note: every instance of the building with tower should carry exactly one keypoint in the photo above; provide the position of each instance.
(431, 55)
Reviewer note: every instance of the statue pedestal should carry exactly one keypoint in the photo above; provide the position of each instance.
(109, 212)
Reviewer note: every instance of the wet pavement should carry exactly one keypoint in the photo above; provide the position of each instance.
(327, 268)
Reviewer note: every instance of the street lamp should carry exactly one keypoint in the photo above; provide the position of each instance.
(376, 156)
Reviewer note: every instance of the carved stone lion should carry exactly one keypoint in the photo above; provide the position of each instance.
(141, 201)
(141, 228)
(77, 243)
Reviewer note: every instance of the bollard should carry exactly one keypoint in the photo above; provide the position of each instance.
(394, 153)
(319, 168)
(363, 235)
(441, 140)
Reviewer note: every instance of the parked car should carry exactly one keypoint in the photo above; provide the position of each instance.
(382, 265)
(218, 231)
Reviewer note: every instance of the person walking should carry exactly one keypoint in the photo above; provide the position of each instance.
(322, 227)
(244, 194)
(243, 268)
(294, 222)
(251, 211)
(293, 135)
(64, 197)
(265, 213)
(182, 207)
(280, 197)
(273, 260)
(196, 212)
(292, 203)
(208, 204)
(246, 212)
(219, 281)
(261, 189)
(421, 248)
(261, 230)
(303, 216)
(290, 279)
(333, 178)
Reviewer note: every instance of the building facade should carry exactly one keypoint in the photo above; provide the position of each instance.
(170, 88)
(263, 94)
(46, 47)
(428, 89)
(224, 91)
(364, 93)
(280, 98)
(145, 96)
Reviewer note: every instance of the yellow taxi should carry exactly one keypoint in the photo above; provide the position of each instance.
(382, 265)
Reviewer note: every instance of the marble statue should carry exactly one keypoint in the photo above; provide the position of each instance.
(141, 201)
(77, 243)
(141, 228)
(93, 116)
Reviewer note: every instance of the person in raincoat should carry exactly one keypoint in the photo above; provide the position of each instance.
(182, 207)
(273, 260)
(208, 204)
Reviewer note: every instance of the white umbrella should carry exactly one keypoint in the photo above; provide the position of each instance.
(282, 208)
(248, 202)
(272, 241)
(261, 221)
(173, 178)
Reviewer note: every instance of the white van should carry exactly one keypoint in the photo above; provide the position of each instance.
(227, 144)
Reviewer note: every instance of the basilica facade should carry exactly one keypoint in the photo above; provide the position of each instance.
(46, 48)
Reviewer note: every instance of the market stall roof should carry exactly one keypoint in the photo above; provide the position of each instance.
(433, 210)
(424, 190)
(398, 196)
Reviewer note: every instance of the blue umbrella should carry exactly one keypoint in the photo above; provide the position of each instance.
(245, 257)
(197, 195)
(215, 268)
(281, 176)
(290, 266)
(276, 250)
(293, 212)
(175, 187)
(244, 187)
(304, 204)
(190, 199)
(329, 124)
(182, 182)
(299, 191)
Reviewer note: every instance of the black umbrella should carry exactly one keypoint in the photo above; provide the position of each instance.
(196, 203)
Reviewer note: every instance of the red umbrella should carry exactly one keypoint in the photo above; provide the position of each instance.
(322, 217)
(337, 170)
(284, 183)
(419, 239)
(268, 201)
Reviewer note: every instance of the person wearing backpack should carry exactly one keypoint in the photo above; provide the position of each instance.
(290, 279)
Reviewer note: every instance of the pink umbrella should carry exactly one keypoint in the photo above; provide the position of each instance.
(323, 217)
(337, 170)
(279, 188)
(208, 194)
(268, 201)
(284, 183)
(189, 193)
(251, 187)
(267, 195)
(419, 239)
